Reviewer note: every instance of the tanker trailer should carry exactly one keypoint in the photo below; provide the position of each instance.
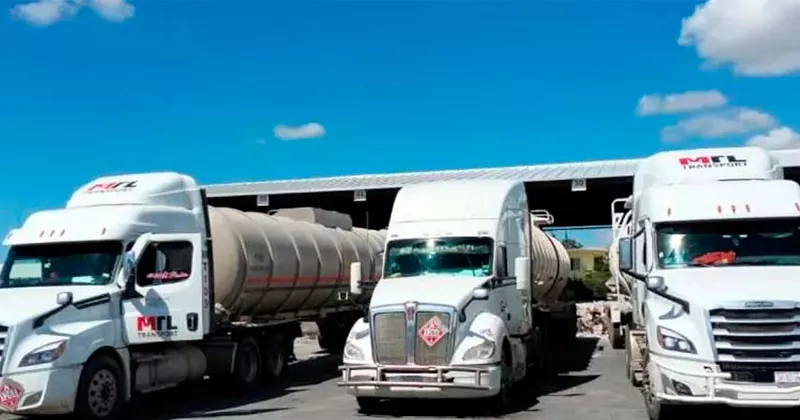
(296, 270)
(550, 270)
(193, 291)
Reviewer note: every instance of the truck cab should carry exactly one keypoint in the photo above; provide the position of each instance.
(123, 264)
(712, 253)
(447, 317)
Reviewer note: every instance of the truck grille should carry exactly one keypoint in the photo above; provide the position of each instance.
(389, 336)
(752, 340)
(397, 342)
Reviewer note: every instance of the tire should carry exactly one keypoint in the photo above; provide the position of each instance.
(656, 410)
(499, 403)
(368, 405)
(630, 372)
(616, 334)
(101, 390)
(247, 364)
(275, 357)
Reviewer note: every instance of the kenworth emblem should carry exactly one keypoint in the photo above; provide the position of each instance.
(758, 304)
(411, 309)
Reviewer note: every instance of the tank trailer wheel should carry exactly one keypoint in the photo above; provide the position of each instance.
(101, 390)
(247, 365)
(275, 358)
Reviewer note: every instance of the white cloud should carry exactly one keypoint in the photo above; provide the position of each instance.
(778, 138)
(48, 12)
(113, 10)
(719, 124)
(45, 12)
(756, 37)
(693, 100)
(305, 131)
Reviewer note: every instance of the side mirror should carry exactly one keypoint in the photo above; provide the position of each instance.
(355, 278)
(64, 298)
(522, 271)
(625, 254)
(129, 268)
(655, 282)
(480, 293)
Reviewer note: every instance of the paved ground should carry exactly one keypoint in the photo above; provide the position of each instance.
(591, 387)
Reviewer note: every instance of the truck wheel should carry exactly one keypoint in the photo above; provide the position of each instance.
(498, 404)
(630, 372)
(656, 410)
(247, 364)
(368, 405)
(101, 390)
(616, 335)
(275, 357)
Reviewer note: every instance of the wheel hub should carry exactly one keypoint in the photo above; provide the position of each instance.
(102, 393)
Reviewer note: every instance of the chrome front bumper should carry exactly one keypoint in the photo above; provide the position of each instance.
(410, 381)
(708, 386)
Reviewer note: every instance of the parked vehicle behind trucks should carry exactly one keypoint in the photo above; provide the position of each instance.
(470, 298)
(712, 257)
(139, 285)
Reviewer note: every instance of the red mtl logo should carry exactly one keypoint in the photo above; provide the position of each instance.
(112, 187)
(706, 162)
(155, 326)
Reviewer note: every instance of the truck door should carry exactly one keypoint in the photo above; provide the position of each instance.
(165, 302)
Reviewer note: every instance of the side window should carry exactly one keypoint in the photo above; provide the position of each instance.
(574, 264)
(164, 262)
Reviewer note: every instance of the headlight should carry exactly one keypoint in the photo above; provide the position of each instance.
(44, 354)
(670, 340)
(352, 352)
(484, 350)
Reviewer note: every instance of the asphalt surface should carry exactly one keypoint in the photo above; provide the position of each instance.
(591, 386)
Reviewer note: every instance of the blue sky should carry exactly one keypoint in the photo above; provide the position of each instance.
(240, 90)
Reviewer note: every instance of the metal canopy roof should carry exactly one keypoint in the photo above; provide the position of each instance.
(530, 173)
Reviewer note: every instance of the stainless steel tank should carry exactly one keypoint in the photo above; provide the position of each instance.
(294, 261)
(549, 265)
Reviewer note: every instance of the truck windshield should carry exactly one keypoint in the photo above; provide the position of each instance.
(729, 243)
(69, 264)
(470, 257)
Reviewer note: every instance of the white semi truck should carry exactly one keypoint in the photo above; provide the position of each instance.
(470, 300)
(710, 251)
(139, 285)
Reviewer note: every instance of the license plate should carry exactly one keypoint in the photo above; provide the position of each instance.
(411, 378)
(787, 379)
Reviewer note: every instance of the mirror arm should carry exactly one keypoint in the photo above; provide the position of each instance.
(643, 278)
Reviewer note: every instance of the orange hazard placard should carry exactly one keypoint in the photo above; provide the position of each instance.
(10, 393)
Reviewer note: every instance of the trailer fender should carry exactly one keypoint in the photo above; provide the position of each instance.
(486, 330)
